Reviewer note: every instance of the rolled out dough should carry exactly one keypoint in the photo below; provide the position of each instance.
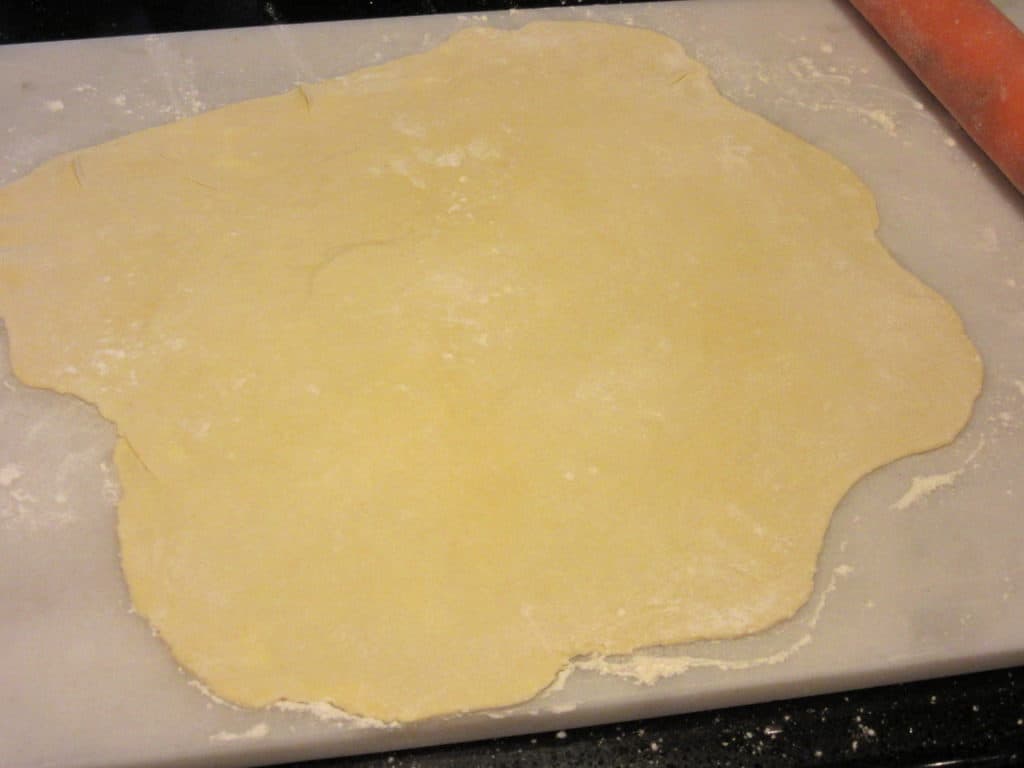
(432, 377)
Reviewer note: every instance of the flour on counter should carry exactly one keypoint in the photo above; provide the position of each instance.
(111, 488)
(322, 710)
(923, 485)
(178, 74)
(560, 709)
(258, 731)
(327, 712)
(806, 83)
(198, 685)
(20, 509)
(647, 669)
(9, 473)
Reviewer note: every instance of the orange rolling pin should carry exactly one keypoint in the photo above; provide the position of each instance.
(972, 58)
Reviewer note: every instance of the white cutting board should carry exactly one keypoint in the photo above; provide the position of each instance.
(933, 588)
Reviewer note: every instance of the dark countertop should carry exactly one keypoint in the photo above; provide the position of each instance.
(25, 21)
(954, 722)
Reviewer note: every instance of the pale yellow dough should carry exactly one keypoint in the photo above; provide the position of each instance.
(432, 377)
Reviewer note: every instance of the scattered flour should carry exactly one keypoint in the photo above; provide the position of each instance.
(922, 486)
(882, 119)
(550, 709)
(198, 685)
(561, 709)
(327, 712)
(819, 81)
(55, 105)
(9, 473)
(178, 74)
(647, 668)
(111, 488)
(258, 731)
(21, 511)
(867, 731)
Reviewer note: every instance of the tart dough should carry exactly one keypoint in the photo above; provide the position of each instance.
(430, 378)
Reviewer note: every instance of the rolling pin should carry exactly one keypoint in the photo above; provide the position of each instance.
(971, 57)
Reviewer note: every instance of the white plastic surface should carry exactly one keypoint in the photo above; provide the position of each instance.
(931, 588)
